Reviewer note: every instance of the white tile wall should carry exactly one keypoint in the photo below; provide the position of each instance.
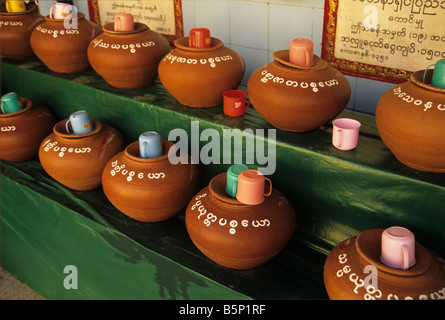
(257, 28)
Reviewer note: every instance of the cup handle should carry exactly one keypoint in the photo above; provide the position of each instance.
(270, 187)
(248, 104)
(306, 55)
(339, 136)
(405, 258)
(192, 40)
(117, 23)
(424, 74)
(8, 8)
(51, 11)
(66, 126)
(234, 189)
(3, 110)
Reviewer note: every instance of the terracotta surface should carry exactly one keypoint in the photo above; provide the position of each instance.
(64, 50)
(22, 132)
(128, 59)
(410, 118)
(298, 99)
(149, 190)
(197, 77)
(77, 161)
(235, 235)
(15, 32)
(346, 278)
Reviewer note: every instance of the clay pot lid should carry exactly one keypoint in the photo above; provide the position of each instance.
(25, 101)
(417, 79)
(60, 130)
(80, 16)
(138, 27)
(282, 56)
(217, 187)
(183, 43)
(368, 246)
(30, 7)
(132, 152)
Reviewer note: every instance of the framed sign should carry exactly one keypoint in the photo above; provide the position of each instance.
(384, 40)
(162, 16)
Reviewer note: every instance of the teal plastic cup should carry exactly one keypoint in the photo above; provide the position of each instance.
(11, 103)
(232, 178)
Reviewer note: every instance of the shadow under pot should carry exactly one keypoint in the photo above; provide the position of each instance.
(16, 29)
(354, 271)
(62, 49)
(410, 119)
(128, 59)
(298, 98)
(198, 77)
(22, 132)
(237, 235)
(149, 189)
(77, 160)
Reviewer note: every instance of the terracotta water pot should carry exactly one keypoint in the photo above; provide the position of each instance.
(295, 98)
(197, 77)
(62, 49)
(350, 267)
(410, 118)
(149, 190)
(128, 59)
(15, 32)
(236, 235)
(22, 132)
(77, 161)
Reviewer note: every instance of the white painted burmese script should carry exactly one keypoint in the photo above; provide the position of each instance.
(116, 168)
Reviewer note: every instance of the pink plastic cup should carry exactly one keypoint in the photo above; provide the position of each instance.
(200, 38)
(251, 185)
(398, 248)
(301, 52)
(235, 103)
(60, 10)
(123, 22)
(345, 133)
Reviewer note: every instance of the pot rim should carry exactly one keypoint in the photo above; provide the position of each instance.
(132, 152)
(138, 27)
(23, 100)
(282, 56)
(417, 79)
(182, 43)
(80, 16)
(32, 7)
(60, 130)
(373, 236)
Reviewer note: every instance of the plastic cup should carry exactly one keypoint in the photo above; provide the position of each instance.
(235, 103)
(251, 185)
(232, 178)
(11, 103)
(398, 248)
(200, 38)
(345, 133)
(80, 122)
(150, 145)
(123, 22)
(301, 52)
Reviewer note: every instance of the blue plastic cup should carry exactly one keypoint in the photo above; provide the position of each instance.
(11, 103)
(150, 145)
(80, 122)
(232, 178)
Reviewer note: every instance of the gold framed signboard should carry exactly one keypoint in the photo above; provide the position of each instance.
(162, 16)
(384, 40)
